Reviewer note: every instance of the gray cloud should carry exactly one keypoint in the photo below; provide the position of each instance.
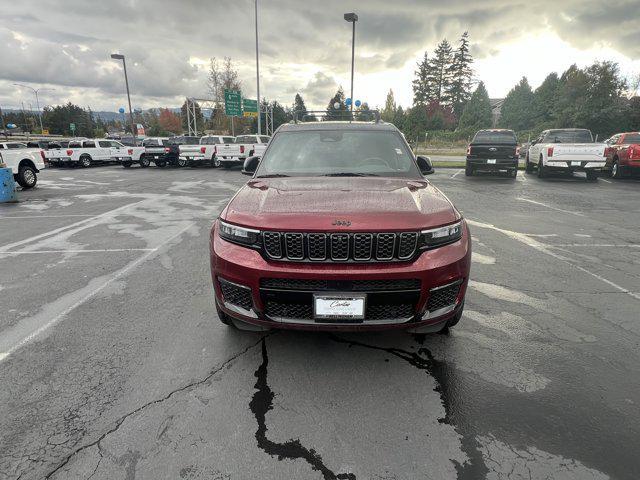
(66, 43)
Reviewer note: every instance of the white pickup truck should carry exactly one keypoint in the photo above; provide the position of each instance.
(566, 150)
(25, 163)
(206, 151)
(245, 146)
(90, 151)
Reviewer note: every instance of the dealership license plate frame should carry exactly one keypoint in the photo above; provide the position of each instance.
(357, 311)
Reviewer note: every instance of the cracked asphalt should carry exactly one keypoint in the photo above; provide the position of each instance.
(113, 363)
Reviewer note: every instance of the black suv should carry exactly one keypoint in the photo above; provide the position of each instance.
(494, 151)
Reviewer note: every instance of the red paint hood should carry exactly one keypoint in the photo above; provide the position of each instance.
(314, 203)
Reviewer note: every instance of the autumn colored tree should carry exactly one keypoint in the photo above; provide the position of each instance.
(169, 121)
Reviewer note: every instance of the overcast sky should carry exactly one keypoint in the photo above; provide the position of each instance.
(305, 46)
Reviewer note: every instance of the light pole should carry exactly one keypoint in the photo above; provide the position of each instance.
(353, 18)
(117, 56)
(35, 91)
(258, 74)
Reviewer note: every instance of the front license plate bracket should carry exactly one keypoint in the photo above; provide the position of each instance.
(339, 306)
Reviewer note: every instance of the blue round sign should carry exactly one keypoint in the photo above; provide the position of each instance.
(358, 103)
(347, 102)
(121, 110)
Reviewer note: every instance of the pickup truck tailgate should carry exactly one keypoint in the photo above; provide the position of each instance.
(586, 151)
(228, 150)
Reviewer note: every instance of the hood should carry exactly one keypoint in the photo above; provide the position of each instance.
(358, 203)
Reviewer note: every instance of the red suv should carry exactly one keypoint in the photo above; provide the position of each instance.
(339, 230)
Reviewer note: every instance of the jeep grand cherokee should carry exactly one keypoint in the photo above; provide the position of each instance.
(339, 229)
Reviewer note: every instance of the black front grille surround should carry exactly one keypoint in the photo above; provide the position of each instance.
(340, 247)
(443, 297)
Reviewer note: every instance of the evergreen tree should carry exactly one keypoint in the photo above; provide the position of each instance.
(341, 112)
(421, 87)
(299, 107)
(438, 73)
(518, 111)
(460, 75)
(477, 112)
(390, 108)
(399, 118)
(546, 96)
(363, 113)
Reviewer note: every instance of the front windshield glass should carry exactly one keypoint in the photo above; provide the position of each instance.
(338, 152)
(569, 136)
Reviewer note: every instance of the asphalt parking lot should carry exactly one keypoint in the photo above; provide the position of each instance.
(114, 365)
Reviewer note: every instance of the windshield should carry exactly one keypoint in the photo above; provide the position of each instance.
(210, 140)
(568, 136)
(245, 139)
(495, 136)
(631, 138)
(338, 152)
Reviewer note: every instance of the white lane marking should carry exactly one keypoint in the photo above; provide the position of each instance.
(605, 180)
(550, 207)
(545, 248)
(98, 250)
(583, 235)
(10, 345)
(44, 216)
(457, 173)
(9, 246)
(482, 259)
(603, 245)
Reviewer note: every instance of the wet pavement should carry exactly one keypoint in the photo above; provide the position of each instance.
(114, 365)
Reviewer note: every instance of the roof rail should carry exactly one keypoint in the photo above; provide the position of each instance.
(300, 116)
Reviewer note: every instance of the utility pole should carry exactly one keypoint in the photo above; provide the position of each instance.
(258, 73)
(117, 56)
(35, 91)
(353, 18)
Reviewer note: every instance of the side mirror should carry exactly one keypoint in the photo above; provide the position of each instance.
(425, 165)
(250, 165)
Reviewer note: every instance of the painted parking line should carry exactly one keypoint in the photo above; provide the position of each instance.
(97, 250)
(28, 217)
(600, 245)
(86, 222)
(605, 180)
(548, 250)
(457, 173)
(31, 328)
(550, 207)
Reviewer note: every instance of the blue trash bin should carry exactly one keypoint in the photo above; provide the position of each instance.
(7, 186)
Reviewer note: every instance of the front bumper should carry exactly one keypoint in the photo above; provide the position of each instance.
(492, 164)
(446, 266)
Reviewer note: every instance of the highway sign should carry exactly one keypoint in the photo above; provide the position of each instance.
(72, 127)
(232, 103)
(250, 107)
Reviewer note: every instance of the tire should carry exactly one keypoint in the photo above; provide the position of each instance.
(468, 171)
(616, 171)
(542, 171)
(592, 176)
(181, 163)
(215, 162)
(126, 164)
(85, 161)
(144, 162)
(161, 164)
(528, 166)
(454, 320)
(223, 317)
(26, 177)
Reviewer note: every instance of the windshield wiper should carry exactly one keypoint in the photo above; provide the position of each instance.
(273, 175)
(350, 174)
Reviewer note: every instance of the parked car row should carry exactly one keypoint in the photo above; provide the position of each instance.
(565, 150)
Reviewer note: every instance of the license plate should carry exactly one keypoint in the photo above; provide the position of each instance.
(338, 306)
(576, 164)
(491, 161)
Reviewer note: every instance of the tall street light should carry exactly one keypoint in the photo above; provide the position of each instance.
(117, 56)
(258, 74)
(353, 18)
(35, 91)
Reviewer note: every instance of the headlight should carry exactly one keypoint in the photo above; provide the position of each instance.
(241, 235)
(441, 236)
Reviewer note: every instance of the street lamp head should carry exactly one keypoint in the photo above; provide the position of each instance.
(117, 56)
(351, 17)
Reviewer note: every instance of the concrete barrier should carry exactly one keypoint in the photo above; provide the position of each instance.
(7, 186)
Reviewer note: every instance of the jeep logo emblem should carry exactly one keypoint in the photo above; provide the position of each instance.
(341, 223)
